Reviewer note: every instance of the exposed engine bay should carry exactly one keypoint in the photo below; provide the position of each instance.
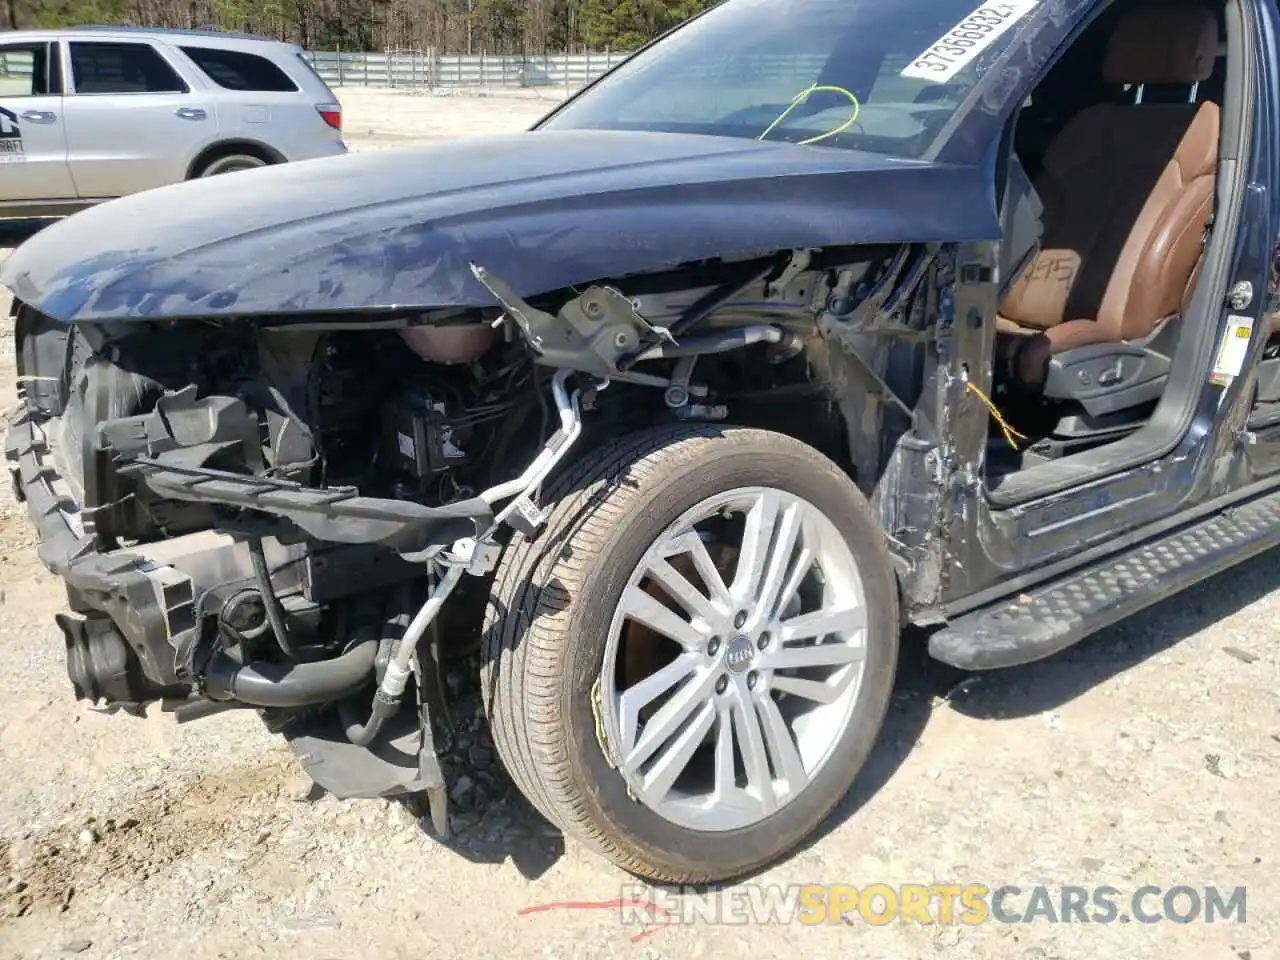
(272, 515)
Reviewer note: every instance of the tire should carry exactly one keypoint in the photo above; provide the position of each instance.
(551, 620)
(230, 164)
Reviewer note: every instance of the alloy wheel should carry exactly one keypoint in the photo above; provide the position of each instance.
(734, 659)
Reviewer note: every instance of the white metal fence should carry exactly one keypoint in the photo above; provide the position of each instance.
(15, 65)
(425, 69)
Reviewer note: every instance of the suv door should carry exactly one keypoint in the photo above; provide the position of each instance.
(33, 140)
(133, 121)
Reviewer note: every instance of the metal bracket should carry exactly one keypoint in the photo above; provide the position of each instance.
(478, 557)
(601, 304)
(591, 333)
(800, 260)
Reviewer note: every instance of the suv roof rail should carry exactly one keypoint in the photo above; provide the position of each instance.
(204, 31)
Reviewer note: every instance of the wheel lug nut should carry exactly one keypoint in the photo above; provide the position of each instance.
(740, 619)
(722, 684)
(764, 640)
(752, 679)
(713, 647)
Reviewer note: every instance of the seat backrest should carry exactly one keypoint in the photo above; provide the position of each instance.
(1127, 188)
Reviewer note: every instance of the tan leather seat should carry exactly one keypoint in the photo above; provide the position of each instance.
(1127, 190)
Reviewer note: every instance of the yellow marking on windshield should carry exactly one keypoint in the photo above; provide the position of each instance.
(804, 95)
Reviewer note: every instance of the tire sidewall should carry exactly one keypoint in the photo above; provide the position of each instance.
(801, 472)
(231, 164)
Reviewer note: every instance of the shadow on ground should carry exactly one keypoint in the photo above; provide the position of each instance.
(1048, 684)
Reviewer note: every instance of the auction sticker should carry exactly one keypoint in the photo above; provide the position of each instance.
(10, 138)
(1234, 350)
(962, 44)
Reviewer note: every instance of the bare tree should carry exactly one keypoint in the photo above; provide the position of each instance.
(448, 26)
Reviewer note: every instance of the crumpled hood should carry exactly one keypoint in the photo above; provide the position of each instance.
(397, 228)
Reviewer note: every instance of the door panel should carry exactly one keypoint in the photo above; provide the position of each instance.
(33, 142)
(133, 122)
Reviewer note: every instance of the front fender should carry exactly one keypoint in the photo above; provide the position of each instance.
(377, 231)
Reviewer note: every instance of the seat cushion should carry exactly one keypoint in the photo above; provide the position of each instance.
(1033, 353)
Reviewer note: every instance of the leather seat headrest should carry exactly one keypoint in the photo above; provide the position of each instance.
(1163, 43)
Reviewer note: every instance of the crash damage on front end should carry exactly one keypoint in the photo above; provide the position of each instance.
(294, 437)
(272, 511)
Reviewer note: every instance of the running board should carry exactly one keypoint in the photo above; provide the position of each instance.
(1053, 616)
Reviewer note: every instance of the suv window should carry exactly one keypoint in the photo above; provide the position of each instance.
(241, 71)
(122, 68)
(24, 71)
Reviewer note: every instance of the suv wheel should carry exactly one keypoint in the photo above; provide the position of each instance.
(688, 667)
(230, 164)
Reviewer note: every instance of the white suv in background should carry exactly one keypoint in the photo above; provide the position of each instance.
(88, 114)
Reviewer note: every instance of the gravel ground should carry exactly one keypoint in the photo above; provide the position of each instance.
(1145, 756)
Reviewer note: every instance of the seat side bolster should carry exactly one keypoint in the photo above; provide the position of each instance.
(1171, 258)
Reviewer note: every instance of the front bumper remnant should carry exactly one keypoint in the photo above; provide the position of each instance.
(147, 599)
(152, 604)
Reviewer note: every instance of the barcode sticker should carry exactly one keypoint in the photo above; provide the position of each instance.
(963, 43)
(1233, 352)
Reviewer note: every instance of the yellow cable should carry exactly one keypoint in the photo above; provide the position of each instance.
(804, 95)
(1010, 434)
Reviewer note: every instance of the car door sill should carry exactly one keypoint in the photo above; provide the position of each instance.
(46, 209)
(1104, 552)
(1022, 627)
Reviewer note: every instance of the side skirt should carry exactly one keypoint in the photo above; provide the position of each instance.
(1055, 615)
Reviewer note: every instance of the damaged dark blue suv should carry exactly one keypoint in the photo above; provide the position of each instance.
(812, 319)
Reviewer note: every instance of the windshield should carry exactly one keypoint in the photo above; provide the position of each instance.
(877, 75)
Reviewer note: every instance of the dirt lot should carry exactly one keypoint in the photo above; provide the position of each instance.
(1147, 756)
